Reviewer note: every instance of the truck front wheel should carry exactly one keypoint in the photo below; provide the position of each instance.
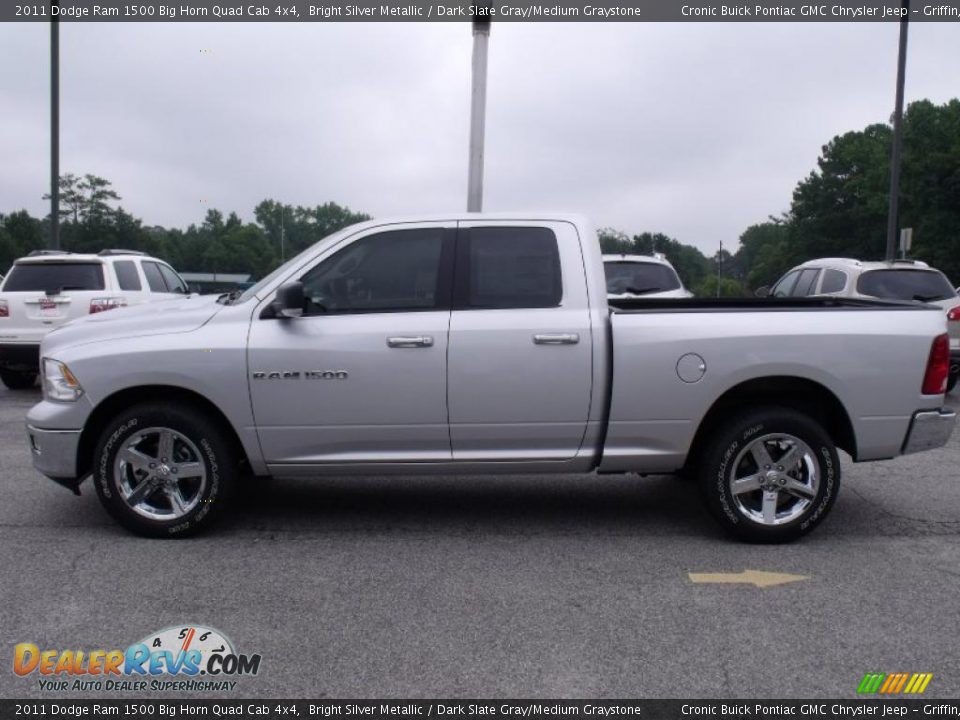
(163, 471)
(769, 474)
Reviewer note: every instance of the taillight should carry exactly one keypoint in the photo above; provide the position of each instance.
(938, 367)
(4, 309)
(104, 304)
(954, 314)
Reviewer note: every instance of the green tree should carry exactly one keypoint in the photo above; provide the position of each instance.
(840, 209)
(300, 227)
(764, 254)
(70, 197)
(930, 197)
(614, 241)
(20, 234)
(729, 287)
(85, 198)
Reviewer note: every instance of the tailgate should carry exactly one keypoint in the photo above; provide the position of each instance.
(32, 315)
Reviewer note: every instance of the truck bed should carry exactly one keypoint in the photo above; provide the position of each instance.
(673, 358)
(753, 304)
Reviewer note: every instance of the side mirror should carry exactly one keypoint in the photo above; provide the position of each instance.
(289, 301)
(763, 291)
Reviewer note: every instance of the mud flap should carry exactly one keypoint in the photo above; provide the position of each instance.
(71, 484)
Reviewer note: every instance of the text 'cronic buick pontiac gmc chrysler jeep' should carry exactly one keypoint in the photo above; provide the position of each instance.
(483, 344)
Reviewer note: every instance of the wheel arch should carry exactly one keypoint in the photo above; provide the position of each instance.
(165, 394)
(801, 394)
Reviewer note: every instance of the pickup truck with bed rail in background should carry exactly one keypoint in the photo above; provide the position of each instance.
(483, 344)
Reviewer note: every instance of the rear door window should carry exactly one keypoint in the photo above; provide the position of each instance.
(834, 281)
(508, 267)
(806, 282)
(173, 281)
(54, 277)
(127, 275)
(897, 284)
(154, 277)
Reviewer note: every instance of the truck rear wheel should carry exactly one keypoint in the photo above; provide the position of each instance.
(163, 471)
(770, 475)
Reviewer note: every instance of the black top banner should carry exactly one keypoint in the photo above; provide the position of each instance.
(497, 11)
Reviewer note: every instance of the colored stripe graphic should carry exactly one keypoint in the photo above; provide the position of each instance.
(894, 683)
(914, 682)
(900, 683)
(888, 683)
(868, 682)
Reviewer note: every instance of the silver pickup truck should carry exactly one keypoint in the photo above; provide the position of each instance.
(483, 344)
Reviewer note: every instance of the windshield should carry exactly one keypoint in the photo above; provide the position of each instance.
(639, 277)
(51, 278)
(288, 266)
(902, 284)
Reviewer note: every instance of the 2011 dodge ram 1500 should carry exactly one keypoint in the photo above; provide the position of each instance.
(483, 344)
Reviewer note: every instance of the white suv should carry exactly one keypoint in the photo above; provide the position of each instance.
(895, 280)
(49, 288)
(642, 276)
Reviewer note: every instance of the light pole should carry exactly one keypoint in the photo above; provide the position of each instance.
(478, 109)
(54, 128)
(283, 254)
(893, 208)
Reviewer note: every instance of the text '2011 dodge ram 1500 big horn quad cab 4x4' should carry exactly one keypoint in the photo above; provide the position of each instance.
(483, 344)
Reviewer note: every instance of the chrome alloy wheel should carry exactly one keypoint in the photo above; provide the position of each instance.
(160, 474)
(774, 479)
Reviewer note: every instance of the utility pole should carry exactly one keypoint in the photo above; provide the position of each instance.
(283, 253)
(478, 108)
(54, 128)
(893, 208)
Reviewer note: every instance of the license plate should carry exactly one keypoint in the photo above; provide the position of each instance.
(48, 307)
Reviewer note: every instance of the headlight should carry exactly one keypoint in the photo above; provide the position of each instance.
(59, 383)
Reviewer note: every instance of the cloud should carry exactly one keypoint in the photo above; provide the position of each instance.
(696, 130)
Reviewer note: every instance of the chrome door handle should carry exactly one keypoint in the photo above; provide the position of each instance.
(559, 339)
(410, 342)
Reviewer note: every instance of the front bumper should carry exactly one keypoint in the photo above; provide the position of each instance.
(929, 429)
(54, 454)
(20, 356)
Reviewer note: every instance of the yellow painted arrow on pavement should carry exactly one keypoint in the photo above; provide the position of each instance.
(758, 578)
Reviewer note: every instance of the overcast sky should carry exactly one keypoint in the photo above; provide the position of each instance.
(694, 130)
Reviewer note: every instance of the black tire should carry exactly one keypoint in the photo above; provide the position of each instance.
(18, 379)
(800, 496)
(952, 381)
(197, 442)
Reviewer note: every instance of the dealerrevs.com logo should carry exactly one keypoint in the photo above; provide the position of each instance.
(183, 657)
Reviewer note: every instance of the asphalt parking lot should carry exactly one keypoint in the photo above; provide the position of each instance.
(520, 586)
